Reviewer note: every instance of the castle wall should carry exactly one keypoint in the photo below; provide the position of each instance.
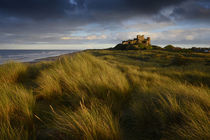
(140, 37)
(132, 42)
(139, 40)
(148, 40)
(125, 43)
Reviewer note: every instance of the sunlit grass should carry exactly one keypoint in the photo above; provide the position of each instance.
(169, 109)
(83, 76)
(93, 122)
(16, 112)
(11, 72)
(107, 95)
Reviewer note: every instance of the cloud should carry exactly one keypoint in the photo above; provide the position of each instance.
(173, 36)
(102, 21)
(100, 11)
(94, 9)
(189, 37)
(148, 26)
(197, 11)
(183, 36)
(89, 37)
(36, 8)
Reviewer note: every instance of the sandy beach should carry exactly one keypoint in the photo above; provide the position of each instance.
(53, 58)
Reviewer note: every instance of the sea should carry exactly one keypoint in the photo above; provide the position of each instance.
(30, 55)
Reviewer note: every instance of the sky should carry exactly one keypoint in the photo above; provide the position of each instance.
(90, 24)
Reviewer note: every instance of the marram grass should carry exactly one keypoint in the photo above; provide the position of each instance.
(107, 95)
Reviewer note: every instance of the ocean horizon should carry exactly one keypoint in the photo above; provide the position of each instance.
(30, 55)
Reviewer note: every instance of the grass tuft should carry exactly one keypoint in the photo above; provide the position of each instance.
(93, 122)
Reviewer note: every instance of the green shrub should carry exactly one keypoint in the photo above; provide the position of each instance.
(169, 47)
(144, 47)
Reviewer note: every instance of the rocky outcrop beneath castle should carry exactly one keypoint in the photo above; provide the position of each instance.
(137, 43)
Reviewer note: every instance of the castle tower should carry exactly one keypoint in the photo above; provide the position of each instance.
(148, 40)
(140, 37)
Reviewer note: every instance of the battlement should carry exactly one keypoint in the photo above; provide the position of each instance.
(139, 40)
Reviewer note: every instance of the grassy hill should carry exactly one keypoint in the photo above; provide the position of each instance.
(108, 94)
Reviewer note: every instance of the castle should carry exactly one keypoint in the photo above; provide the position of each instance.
(139, 40)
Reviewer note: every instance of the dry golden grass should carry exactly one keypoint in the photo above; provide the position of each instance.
(11, 72)
(107, 95)
(88, 123)
(16, 112)
(83, 77)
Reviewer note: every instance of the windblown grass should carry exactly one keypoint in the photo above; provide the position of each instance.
(167, 109)
(88, 123)
(104, 94)
(16, 112)
(83, 77)
(11, 72)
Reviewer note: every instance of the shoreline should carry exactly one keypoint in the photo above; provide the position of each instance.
(50, 58)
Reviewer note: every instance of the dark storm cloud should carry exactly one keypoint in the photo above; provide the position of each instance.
(38, 16)
(141, 6)
(102, 10)
(50, 20)
(198, 11)
(36, 8)
(119, 10)
(61, 8)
